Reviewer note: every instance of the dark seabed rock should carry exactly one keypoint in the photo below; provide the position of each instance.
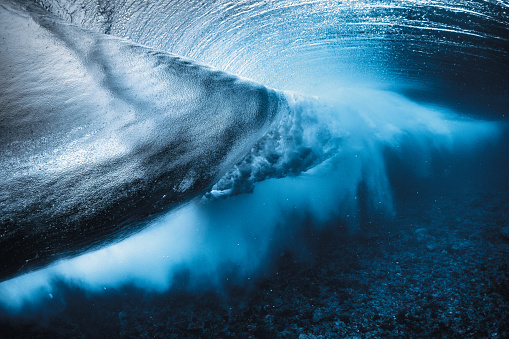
(439, 269)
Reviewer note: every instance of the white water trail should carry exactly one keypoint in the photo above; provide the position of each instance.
(345, 140)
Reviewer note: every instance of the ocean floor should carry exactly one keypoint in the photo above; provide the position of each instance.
(439, 269)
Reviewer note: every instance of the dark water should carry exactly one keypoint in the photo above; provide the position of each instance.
(368, 199)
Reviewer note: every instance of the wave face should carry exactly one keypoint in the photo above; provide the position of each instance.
(110, 118)
(97, 134)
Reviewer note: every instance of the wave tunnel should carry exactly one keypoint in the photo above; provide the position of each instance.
(254, 168)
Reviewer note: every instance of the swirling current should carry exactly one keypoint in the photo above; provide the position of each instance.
(144, 141)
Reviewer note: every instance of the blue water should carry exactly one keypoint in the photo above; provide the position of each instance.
(375, 99)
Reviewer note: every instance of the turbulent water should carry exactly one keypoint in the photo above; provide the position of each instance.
(242, 121)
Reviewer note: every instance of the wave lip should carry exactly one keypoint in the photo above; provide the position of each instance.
(449, 52)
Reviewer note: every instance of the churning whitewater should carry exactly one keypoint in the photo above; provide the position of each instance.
(126, 160)
(320, 165)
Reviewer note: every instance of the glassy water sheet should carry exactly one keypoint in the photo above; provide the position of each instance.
(374, 200)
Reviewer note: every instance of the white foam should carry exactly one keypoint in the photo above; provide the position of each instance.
(207, 234)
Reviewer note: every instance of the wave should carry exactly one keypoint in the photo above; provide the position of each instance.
(186, 170)
(321, 165)
(98, 134)
(446, 52)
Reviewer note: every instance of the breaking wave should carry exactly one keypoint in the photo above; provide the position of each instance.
(356, 121)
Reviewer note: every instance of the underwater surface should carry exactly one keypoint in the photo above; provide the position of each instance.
(301, 169)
